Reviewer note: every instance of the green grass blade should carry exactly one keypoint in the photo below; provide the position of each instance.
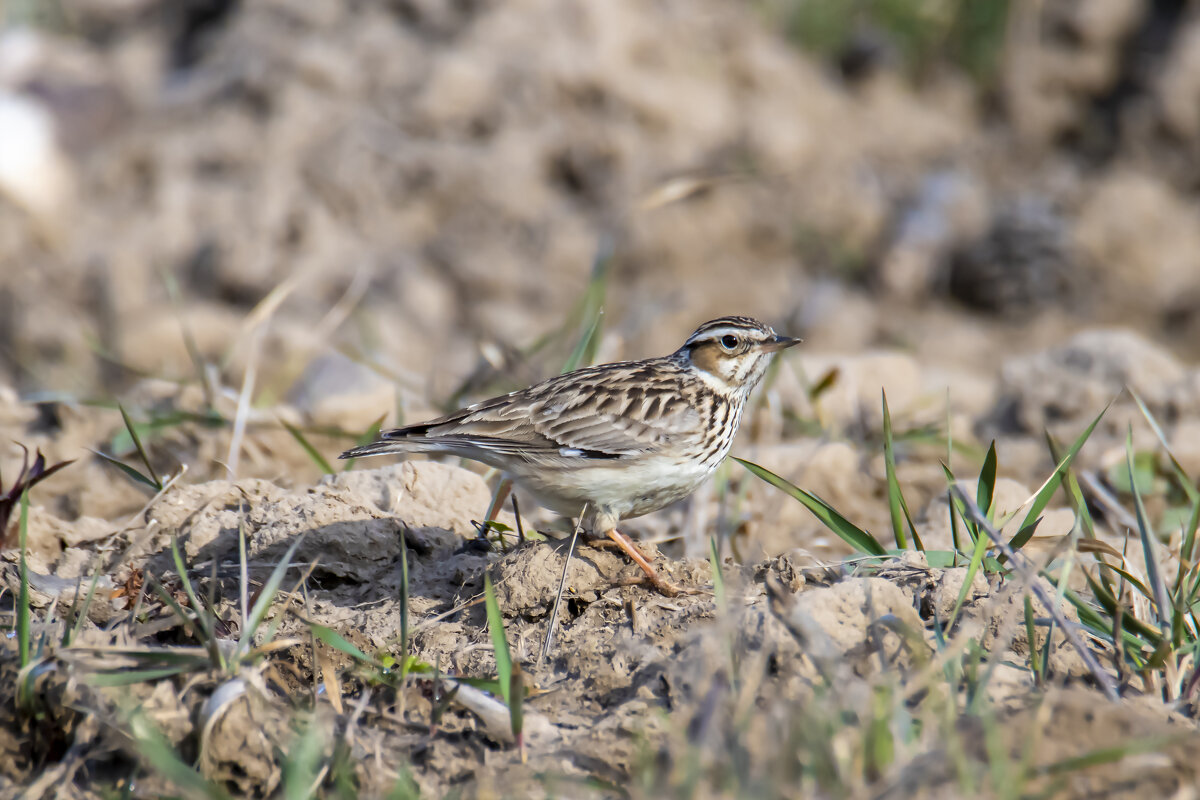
(23, 610)
(1021, 538)
(153, 655)
(1133, 581)
(243, 576)
(1047, 646)
(499, 642)
(1160, 597)
(1042, 498)
(201, 620)
(1111, 755)
(405, 787)
(1100, 625)
(718, 577)
(122, 441)
(303, 762)
(912, 529)
(1187, 548)
(189, 339)
(129, 677)
(956, 510)
(314, 454)
(171, 603)
(896, 505)
(516, 707)
(954, 537)
(583, 346)
(335, 640)
(266, 597)
(490, 685)
(1135, 633)
(981, 543)
(208, 643)
(986, 490)
(1181, 476)
(141, 450)
(72, 615)
(82, 613)
(1179, 614)
(154, 748)
(856, 537)
(129, 471)
(823, 384)
(879, 747)
(1031, 637)
(591, 310)
(1075, 497)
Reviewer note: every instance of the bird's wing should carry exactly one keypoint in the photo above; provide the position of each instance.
(607, 412)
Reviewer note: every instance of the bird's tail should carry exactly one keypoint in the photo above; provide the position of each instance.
(378, 448)
(399, 440)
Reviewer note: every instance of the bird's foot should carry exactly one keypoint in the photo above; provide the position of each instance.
(653, 577)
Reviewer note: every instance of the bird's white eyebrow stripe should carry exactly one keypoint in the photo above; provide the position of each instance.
(717, 333)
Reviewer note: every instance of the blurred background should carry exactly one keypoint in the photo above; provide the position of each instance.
(339, 213)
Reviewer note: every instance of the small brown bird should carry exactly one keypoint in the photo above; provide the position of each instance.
(615, 441)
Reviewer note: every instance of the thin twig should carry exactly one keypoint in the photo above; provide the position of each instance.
(350, 298)
(1019, 562)
(429, 623)
(562, 585)
(1091, 483)
(243, 405)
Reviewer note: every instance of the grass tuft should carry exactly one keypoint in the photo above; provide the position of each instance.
(856, 537)
(896, 503)
(591, 311)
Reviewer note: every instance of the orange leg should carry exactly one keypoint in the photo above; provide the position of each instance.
(659, 582)
(503, 489)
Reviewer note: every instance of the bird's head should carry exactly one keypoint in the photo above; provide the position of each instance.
(731, 353)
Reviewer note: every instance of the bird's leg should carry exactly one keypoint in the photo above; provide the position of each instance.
(658, 581)
(503, 489)
(517, 517)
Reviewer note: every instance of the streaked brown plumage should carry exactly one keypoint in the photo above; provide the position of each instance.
(614, 441)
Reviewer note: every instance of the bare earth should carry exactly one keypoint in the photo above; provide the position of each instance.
(343, 213)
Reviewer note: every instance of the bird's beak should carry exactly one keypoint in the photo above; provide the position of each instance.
(780, 343)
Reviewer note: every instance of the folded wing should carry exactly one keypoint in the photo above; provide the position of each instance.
(594, 415)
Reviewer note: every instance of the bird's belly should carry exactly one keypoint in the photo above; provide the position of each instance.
(628, 490)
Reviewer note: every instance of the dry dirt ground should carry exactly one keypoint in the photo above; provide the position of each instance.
(228, 216)
(737, 694)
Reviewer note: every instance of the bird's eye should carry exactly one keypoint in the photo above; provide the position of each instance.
(729, 341)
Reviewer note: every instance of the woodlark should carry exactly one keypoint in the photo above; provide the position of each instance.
(616, 441)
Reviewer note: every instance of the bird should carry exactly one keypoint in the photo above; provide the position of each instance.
(611, 442)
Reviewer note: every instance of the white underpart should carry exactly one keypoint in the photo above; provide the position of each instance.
(623, 490)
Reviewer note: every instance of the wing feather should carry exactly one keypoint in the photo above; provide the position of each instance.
(579, 416)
